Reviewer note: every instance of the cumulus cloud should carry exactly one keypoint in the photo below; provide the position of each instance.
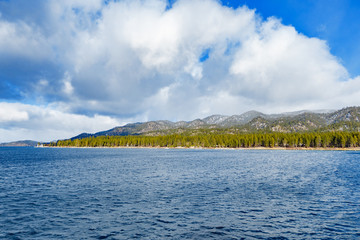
(140, 60)
(22, 40)
(278, 64)
(10, 114)
(45, 123)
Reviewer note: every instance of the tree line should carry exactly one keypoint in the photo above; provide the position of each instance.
(248, 140)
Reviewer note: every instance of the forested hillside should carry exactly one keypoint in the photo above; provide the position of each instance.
(270, 140)
(303, 129)
(347, 119)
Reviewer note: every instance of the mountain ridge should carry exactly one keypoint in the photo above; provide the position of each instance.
(22, 143)
(346, 119)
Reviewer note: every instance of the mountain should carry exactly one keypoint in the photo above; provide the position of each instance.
(24, 143)
(346, 119)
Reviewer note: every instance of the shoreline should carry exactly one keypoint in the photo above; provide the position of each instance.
(221, 148)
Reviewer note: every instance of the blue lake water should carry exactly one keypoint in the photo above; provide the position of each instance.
(52, 193)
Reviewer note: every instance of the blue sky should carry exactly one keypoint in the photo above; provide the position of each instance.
(75, 66)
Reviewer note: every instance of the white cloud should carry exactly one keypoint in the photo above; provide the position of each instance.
(23, 40)
(140, 48)
(10, 114)
(46, 123)
(280, 65)
(68, 89)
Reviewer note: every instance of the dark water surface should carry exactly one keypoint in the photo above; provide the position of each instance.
(178, 194)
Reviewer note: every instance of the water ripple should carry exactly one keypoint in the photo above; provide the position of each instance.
(178, 194)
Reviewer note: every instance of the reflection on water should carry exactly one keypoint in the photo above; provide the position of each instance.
(178, 194)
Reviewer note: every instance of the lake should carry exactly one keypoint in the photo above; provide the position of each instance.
(54, 193)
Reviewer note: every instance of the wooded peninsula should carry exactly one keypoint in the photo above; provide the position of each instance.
(250, 140)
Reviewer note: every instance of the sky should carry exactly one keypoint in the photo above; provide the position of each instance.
(74, 66)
